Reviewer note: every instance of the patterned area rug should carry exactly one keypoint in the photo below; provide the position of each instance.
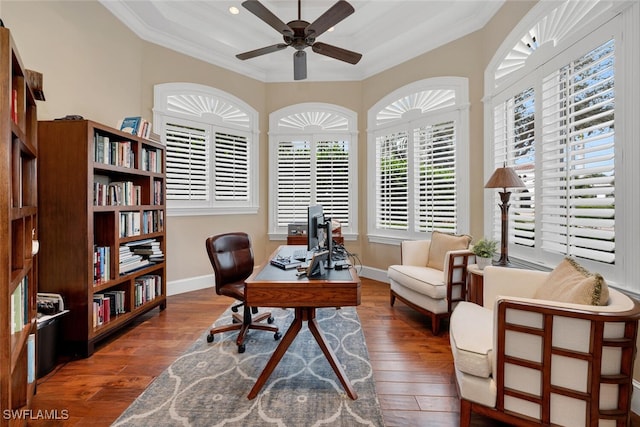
(208, 385)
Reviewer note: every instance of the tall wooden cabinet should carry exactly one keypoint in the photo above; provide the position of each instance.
(18, 226)
(102, 234)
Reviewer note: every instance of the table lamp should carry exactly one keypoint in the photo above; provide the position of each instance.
(504, 178)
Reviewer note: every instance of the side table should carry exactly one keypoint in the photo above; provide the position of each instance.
(475, 284)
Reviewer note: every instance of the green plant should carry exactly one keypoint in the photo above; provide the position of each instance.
(485, 248)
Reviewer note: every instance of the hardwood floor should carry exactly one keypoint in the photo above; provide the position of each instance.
(412, 368)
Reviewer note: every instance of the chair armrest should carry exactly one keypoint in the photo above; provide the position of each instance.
(414, 252)
(455, 275)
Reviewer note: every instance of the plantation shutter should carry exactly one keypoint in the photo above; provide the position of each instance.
(332, 179)
(231, 167)
(578, 169)
(435, 173)
(392, 186)
(514, 144)
(187, 162)
(294, 182)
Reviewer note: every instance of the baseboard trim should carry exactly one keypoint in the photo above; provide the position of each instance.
(374, 274)
(181, 286)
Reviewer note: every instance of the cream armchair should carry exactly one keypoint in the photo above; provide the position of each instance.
(431, 277)
(528, 361)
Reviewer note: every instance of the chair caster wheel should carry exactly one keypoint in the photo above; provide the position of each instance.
(270, 320)
(210, 338)
(241, 348)
(277, 336)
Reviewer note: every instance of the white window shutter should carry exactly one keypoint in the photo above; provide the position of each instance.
(332, 179)
(435, 172)
(187, 162)
(578, 168)
(392, 186)
(293, 181)
(231, 176)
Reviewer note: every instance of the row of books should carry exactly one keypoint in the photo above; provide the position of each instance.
(147, 288)
(20, 306)
(117, 193)
(140, 253)
(101, 263)
(134, 223)
(151, 159)
(115, 153)
(107, 305)
(136, 125)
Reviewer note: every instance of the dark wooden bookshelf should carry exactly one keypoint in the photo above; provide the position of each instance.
(18, 228)
(77, 219)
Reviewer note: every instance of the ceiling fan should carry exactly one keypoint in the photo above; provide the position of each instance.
(300, 34)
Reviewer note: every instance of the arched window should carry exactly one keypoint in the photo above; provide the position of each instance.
(559, 99)
(418, 138)
(313, 160)
(212, 153)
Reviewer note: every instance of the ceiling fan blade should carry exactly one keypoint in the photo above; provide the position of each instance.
(300, 65)
(331, 17)
(336, 52)
(261, 51)
(267, 16)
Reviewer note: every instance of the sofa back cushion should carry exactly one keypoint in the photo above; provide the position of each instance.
(441, 243)
(570, 282)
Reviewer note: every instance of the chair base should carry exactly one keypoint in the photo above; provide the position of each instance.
(435, 317)
(243, 324)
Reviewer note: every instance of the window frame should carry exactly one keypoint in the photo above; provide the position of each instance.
(409, 122)
(607, 19)
(294, 123)
(236, 117)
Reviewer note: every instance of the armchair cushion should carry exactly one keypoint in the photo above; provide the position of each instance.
(427, 281)
(471, 336)
(572, 283)
(441, 243)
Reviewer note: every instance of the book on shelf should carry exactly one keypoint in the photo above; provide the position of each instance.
(147, 288)
(115, 153)
(129, 261)
(136, 125)
(31, 358)
(101, 263)
(148, 249)
(130, 224)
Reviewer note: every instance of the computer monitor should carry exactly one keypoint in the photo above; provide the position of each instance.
(315, 217)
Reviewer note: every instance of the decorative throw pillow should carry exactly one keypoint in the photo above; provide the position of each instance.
(572, 283)
(441, 243)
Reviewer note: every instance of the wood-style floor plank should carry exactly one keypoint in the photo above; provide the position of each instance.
(413, 369)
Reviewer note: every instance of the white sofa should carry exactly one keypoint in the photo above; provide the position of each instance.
(528, 361)
(430, 278)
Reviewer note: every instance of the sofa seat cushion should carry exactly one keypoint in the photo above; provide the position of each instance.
(424, 280)
(471, 337)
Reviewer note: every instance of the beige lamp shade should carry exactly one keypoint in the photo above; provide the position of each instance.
(504, 177)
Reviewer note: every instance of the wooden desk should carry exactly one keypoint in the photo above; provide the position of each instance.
(270, 286)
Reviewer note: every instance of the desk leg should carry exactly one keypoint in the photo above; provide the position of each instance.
(331, 357)
(286, 341)
(302, 314)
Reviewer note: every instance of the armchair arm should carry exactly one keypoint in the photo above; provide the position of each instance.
(455, 275)
(565, 364)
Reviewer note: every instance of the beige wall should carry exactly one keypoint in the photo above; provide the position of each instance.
(94, 66)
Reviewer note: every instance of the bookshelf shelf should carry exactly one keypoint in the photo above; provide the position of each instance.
(18, 227)
(97, 202)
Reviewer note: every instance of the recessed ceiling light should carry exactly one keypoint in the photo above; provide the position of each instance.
(331, 29)
(234, 10)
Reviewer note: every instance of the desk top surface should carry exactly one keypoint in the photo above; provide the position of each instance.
(270, 273)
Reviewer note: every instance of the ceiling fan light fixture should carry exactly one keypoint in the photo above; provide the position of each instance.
(300, 34)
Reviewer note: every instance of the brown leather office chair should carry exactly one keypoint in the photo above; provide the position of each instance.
(231, 257)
